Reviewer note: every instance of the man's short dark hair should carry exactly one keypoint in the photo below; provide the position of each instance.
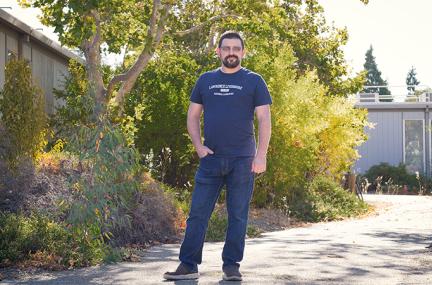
(231, 35)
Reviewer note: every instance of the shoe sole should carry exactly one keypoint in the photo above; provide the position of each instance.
(231, 278)
(191, 276)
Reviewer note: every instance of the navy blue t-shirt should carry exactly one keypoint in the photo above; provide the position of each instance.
(229, 101)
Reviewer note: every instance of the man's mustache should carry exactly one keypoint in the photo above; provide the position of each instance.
(233, 56)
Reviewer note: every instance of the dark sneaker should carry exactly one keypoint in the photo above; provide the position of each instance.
(182, 273)
(232, 273)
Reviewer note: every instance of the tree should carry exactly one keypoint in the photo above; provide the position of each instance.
(316, 45)
(162, 93)
(22, 109)
(373, 76)
(312, 134)
(93, 27)
(188, 29)
(411, 80)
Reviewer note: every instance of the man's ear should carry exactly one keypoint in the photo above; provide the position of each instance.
(244, 53)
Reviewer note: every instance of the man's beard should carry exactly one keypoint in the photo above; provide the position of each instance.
(231, 63)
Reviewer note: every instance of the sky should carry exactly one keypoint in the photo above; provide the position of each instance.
(400, 32)
(28, 16)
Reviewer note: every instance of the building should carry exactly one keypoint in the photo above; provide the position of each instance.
(402, 133)
(48, 60)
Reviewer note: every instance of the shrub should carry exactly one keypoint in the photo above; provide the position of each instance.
(218, 223)
(112, 194)
(15, 182)
(312, 134)
(23, 112)
(397, 174)
(162, 92)
(217, 226)
(77, 103)
(51, 244)
(324, 200)
(153, 216)
(109, 183)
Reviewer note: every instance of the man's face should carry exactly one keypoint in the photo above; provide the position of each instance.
(230, 52)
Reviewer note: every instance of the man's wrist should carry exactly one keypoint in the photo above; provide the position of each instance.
(261, 155)
(197, 144)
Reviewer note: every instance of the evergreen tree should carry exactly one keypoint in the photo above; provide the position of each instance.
(373, 77)
(22, 106)
(411, 80)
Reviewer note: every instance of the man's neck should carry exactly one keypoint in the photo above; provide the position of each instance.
(225, 69)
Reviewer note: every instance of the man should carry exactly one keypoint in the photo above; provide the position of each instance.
(229, 97)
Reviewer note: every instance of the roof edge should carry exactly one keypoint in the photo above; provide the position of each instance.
(34, 34)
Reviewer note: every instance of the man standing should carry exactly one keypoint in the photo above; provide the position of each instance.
(229, 97)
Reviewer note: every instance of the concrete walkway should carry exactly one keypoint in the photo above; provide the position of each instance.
(388, 248)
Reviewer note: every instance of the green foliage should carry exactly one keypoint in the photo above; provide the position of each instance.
(343, 133)
(22, 113)
(397, 174)
(37, 237)
(113, 195)
(312, 133)
(74, 23)
(162, 93)
(110, 184)
(77, 103)
(300, 23)
(92, 27)
(182, 197)
(103, 195)
(323, 200)
(309, 138)
(217, 226)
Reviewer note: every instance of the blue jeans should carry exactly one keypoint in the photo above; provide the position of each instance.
(213, 173)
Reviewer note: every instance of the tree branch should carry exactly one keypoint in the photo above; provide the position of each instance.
(152, 43)
(161, 26)
(203, 24)
(155, 34)
(93, 61)
(142, 60)
(211, 42)
(96, 17)
(124, 55)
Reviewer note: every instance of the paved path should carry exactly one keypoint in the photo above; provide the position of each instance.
(388, 248)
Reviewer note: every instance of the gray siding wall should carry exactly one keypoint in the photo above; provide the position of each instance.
(12, 42)
(42, 69)
(385, 142)
(27, 51)
(48, 68)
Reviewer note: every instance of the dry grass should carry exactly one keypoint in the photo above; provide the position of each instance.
(153, 216)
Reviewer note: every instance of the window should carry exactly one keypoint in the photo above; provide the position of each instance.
(414, 145)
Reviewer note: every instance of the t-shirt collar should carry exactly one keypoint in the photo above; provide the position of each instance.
(224, 73)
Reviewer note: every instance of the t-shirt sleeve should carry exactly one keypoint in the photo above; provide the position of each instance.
(196, 95)
(262, 94)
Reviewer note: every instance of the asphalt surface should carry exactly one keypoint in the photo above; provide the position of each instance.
(385, 248)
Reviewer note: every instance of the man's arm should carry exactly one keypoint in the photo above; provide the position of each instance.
(194, 130)
(264, 132)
